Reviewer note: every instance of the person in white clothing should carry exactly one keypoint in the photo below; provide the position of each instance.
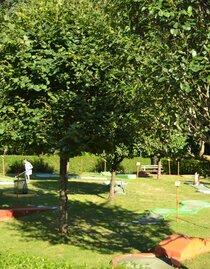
(28, 170)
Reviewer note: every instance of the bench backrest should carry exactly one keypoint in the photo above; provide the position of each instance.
(150, 166)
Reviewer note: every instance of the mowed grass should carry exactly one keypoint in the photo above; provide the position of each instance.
(100, 231)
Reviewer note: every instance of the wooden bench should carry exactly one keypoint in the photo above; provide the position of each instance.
(150, 167)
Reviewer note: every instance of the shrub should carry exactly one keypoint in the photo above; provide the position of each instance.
(11, 261)
(14, 164)
(187, 167)
(77, 165)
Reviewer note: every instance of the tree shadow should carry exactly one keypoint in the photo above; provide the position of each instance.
(75, 187)
(98, 227)
(87, 188)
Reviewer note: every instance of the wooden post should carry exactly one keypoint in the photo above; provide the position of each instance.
(81, 166)
(104, 166)
(137, 169)
(178, 167)
(177, 184)
(169, 166)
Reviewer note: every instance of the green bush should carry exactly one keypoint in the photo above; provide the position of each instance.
(129, 165)
(77, 165)
(11, 261)
(187, 167)
(14, 163)
(92, 163)
(85, 163)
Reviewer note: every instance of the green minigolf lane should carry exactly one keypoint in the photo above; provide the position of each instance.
(164, 212)
(193, 206)
(186, 207)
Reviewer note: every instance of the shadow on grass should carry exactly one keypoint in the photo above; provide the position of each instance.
(75, 187)
(87, 188)
(101, 227)
(95, 227)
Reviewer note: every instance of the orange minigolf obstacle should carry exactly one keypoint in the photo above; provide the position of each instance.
(179, 247)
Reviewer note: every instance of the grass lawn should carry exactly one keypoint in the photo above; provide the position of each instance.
(100, 231)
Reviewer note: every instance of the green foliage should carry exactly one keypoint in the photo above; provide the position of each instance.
(77, 165)
(13, 261)
(174, 65)
(102, 78)
(187, 166)
(92, 163)
(38, 163)
(14, 163)
(71, 80)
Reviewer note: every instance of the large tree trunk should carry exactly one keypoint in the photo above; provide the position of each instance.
(3, 166)
(115, 162)
(63, 198)
(112, 184)
(201, 149)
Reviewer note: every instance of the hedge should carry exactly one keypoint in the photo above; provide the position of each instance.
(77, 165)
(187, 166)
(92, 163)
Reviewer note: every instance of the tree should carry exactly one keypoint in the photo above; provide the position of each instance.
(102, 76)
(42, 70)
(174, 56)
(64, 83)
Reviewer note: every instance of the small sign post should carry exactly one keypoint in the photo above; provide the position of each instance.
(104, 166)
(177, 184)
(137, 168)
(169, 166)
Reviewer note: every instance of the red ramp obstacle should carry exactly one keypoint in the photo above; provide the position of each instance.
(7, 213)
(180, 247)
(171, 252)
